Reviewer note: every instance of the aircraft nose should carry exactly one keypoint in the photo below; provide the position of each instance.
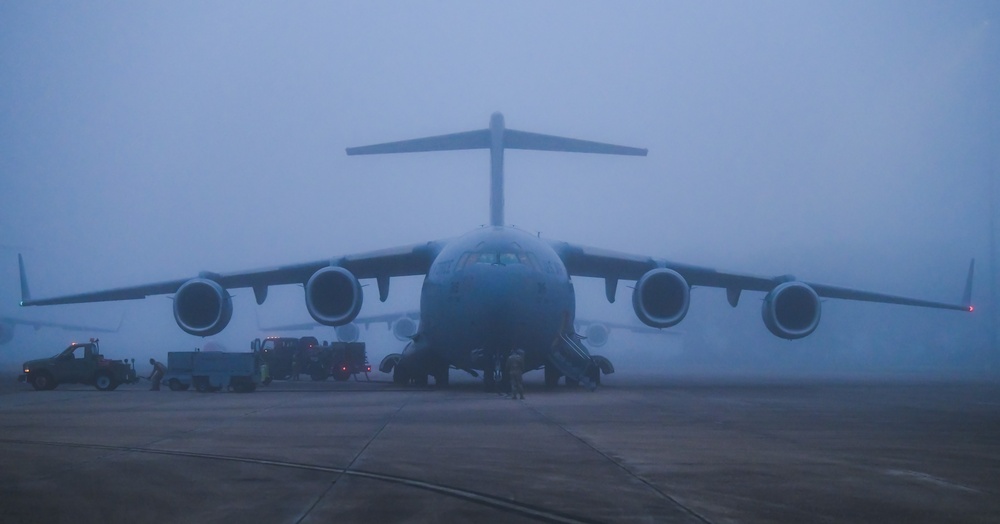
(506, 294)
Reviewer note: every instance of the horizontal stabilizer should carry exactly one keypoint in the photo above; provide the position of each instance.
(512, 139)
(523, 140)
(452, 142)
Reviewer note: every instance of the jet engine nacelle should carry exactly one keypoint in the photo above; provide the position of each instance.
(404, 328)
(202, 307)
(348, 332)
(791, 310)
(597, 335)
(333, 296)
(661, 298)
(6, 332)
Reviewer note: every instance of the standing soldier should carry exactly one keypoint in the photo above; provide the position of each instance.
(157, 375)
(515, 368)
(296, 363)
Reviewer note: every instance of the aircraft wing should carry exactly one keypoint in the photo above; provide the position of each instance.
(364, 320)
(37, 324)
(408, 260)
(613, 266)
(631, 327)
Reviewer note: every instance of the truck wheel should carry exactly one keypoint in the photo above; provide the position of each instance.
(43, 381)
(104, 382)
(244, 386)
(176, 385)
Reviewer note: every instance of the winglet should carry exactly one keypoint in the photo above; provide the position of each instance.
(967, 298)
(25, 294)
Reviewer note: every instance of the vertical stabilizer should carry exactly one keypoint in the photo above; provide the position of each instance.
(496, 169)
(496, 139)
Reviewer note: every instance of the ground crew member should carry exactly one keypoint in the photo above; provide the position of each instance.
(515, 368)
(157, 375)
(296, 364)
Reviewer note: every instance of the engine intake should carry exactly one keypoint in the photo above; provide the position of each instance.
(202, 307)
(333, 296)
(404, 328)
(348, 332)
(597, 335)
(661, 298)
(791, 310)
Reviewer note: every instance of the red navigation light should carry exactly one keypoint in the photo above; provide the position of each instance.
(971, 309)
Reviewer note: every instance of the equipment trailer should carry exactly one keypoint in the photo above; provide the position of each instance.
(211, 371)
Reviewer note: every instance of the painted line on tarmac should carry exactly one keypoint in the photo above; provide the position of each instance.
(624, 468)
(926, 477)
(526, 510)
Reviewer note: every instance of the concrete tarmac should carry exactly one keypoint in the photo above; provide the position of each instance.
(654, 450)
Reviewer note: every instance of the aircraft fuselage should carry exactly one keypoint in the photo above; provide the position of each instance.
(495, 289)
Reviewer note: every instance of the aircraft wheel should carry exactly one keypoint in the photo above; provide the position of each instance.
(43, 381)
(202, 385)
(398, 377)
(104, 382)
(552, 375)
(441, 378)
(594, 374)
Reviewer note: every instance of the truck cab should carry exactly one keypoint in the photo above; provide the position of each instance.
(287, 356)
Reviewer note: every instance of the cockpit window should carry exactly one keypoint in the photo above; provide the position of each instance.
(506, 258)
(486, 258)
(509, 258)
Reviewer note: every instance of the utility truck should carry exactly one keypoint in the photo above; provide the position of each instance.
(80, 363)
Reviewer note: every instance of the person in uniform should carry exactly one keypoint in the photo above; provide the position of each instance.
(157, 375)
(296, 364)
(515, 368)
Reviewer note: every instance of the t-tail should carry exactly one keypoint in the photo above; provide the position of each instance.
(496, 139)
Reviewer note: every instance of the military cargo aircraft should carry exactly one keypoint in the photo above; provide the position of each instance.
(495, 288)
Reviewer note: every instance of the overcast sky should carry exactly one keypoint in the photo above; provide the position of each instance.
(850, 143)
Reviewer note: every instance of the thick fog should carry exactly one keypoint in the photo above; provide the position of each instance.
(848, 143)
